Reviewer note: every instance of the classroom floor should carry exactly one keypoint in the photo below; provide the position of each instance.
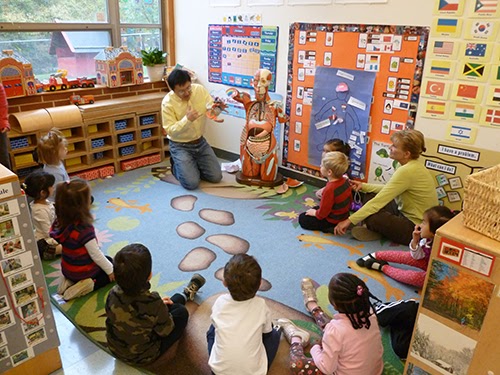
(80, 356)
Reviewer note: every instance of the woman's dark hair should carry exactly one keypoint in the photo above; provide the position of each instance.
(73, 203)
(350, 296)
(38, 182)
(242, 275)
(339, 145)
(132, 266)
(438, 216)
(178, 77)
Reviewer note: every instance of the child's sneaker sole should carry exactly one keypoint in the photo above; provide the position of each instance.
(81, 288)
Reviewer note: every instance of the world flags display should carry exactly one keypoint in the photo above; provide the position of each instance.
(485, 6)
(467, 91)
(447, 25)
(473, 70)
(493, 116)
(435, 107)
(465, 111)
(440, 67)
(448, 5)
(443, 47)
(475, 49)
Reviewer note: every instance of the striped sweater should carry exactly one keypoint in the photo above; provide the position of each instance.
(335, 201)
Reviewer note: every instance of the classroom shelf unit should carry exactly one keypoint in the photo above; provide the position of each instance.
(112, 133)
(457, 327)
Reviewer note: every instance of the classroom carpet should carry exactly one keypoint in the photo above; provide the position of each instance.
(199, 230)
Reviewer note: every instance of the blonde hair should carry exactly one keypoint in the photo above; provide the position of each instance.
(337, 162)
(49, 145)
(410, 140)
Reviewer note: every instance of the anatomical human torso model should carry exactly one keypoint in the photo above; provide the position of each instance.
(258, 145)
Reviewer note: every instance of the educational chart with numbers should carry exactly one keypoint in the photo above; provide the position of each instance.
(236, 52)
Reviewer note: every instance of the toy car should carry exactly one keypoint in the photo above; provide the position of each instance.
(81, 99)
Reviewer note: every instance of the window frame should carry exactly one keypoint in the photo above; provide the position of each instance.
(113, 26)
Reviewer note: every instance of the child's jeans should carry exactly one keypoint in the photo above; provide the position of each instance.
(271, 341)
(180, 315)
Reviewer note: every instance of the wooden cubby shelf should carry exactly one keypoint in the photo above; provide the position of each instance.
(111, 131)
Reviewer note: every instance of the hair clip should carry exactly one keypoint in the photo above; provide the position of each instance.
(359, 290)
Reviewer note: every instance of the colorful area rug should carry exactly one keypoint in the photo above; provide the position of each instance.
(198, 231)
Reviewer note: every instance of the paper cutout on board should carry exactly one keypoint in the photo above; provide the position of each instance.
(242, 19)
(474, 71)
(490, 117)
(467, 92)
(434, 108)
(443, 48)
(462, 133)
(465, 112)
(435, 89)
(448, 27)
(485, 8)
(477, 51)
(495, 74)
(350, 101)
(449, 7)
(382, 167)
(440, 68)
(493, 96)
(481, 29)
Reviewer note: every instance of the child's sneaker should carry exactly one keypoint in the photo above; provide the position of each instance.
(81, 288)
(49, 253)
(64, 284)
(308, 291)
(291, 330)
(197, 281)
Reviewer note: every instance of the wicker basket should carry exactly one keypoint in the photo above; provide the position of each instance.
(481, 209)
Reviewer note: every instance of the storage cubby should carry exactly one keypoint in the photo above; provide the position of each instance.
(124, 125)
(113, 131)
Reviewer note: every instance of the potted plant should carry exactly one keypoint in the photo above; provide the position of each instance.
(154, 59)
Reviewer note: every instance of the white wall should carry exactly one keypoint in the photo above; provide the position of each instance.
(192, 18)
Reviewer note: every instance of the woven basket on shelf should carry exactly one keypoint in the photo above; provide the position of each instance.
(481, 210)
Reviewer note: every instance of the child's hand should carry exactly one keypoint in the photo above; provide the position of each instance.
(111, 277)
(311, 212)
(319, 193)
(416, 236)
(167, 300)
(355, 185)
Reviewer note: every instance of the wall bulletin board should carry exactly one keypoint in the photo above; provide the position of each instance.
(236, 52)
(349, 56)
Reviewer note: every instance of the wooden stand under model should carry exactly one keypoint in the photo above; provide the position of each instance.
(458, 327)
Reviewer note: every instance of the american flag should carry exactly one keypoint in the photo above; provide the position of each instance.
(445, 48)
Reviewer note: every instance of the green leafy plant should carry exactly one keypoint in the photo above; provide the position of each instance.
(153, 56)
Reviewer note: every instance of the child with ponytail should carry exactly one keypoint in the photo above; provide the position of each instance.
(351, 342)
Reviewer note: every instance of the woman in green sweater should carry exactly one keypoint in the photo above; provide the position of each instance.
(393, 209)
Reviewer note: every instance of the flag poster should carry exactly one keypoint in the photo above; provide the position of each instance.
(450, 27)
(491, 117)
(465, 111)
(474, 71)
(444, 48)
(468, 92)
